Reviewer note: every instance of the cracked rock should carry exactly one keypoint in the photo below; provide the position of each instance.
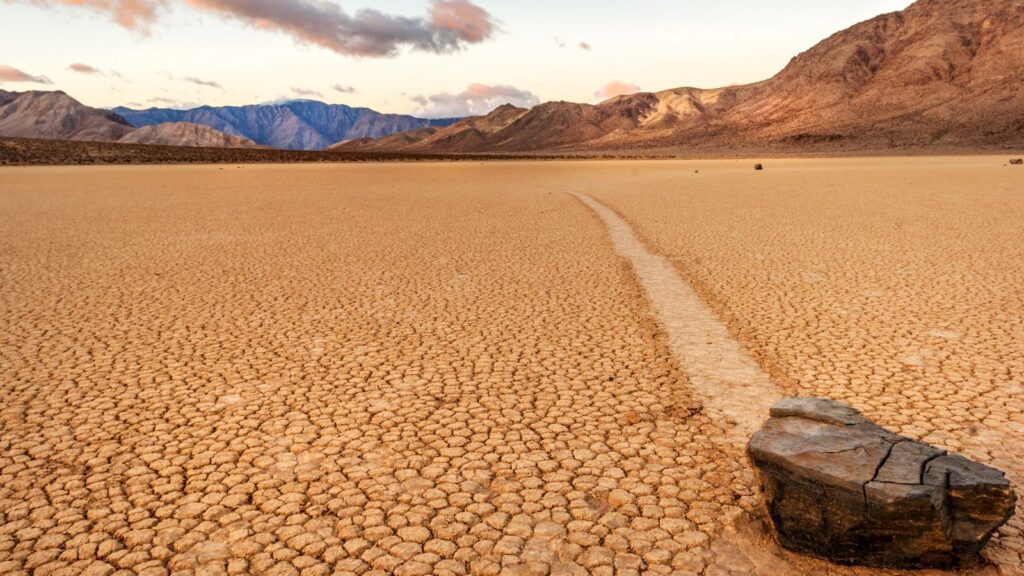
(840, 487)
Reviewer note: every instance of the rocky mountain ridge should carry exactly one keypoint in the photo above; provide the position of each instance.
(57, 116)
(293, 125)
(940, 73)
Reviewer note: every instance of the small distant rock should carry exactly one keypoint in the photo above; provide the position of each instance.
(758, 166)
(840, 487)
(1017, 162)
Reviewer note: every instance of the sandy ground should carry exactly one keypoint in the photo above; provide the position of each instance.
(447, 369)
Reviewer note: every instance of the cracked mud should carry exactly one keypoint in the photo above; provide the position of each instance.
(891, 284)
(447, 369)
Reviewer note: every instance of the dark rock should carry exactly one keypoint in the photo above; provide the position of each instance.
(758, 166)
(1017, 161)
(840, 487)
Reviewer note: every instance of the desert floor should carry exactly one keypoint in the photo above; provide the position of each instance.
(449, 368)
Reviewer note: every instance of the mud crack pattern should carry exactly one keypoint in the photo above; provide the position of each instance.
(892, 284)
(350, 370)
(436, 369)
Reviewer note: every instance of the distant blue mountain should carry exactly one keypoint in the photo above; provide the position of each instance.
(293, 125)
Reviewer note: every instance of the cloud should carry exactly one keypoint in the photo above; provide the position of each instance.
(448, 26)
(132, 14)
(173, 103)
(463, 19)
(93, 71)
(306, 93)
(84, 68)
(561, 43)
(476, 100)
(344, 89)
(9, 74)
(616, 88)
(200, 82)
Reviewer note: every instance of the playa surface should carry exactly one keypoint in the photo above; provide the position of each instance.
(455, 369)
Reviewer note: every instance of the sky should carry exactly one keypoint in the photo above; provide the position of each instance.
(432, 58)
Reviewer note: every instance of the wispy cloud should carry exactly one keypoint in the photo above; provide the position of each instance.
(11, 74)
(477, 99)
(201, 82)
(94, 71)
(84, 68)
(133, 14)
(306, 93)
(344, 89)
(616, 88)
(172, 103)
(561, 43)
(448, 26)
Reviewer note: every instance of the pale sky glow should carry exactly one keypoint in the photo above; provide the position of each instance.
(650, 44)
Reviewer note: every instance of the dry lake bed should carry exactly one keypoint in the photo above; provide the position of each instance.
(481, 368)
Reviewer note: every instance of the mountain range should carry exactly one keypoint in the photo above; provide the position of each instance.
(292, 125)
(57, 116)
(295, 125)
(942, 73)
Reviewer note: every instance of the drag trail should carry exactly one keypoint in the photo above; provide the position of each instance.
(727, 378)
(735, 392)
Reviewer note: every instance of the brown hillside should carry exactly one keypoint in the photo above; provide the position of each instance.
(55, 115)
(185, 134)
(940, 73)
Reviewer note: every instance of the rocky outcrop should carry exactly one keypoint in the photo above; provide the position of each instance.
(840, 487)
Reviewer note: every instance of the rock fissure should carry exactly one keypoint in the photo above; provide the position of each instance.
(926, 463)
(884, 459)
(878, 470)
